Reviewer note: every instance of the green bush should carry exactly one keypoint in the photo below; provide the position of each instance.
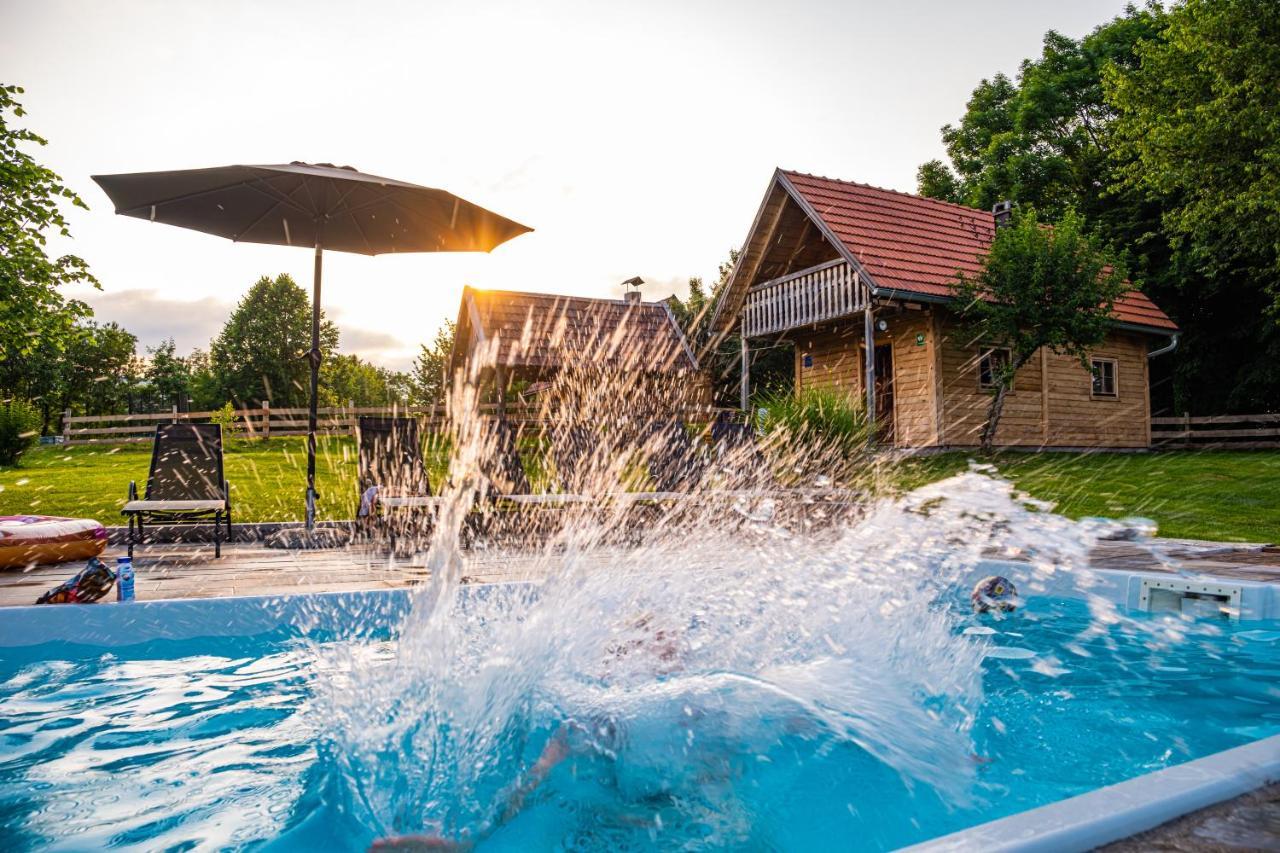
(826, 418)
(19, 430)
(232, 426)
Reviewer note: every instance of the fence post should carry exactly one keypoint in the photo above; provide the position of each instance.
(66, 427)
(1186, 427)
(266, 419)
(174, 412)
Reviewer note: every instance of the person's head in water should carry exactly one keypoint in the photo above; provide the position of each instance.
(645, 644)
(994, 593)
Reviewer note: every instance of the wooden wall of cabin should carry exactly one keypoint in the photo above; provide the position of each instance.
(1051, 404)
(837, 362)
(1077, 419)
(938, 401)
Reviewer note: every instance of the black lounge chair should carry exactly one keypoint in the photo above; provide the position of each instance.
(503, 468)
(390, 458)
(573, 453)
(185, 484)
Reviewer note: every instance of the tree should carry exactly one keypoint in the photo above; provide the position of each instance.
(1116, 126)
(347, 379)
(935, 180)
(1198, 133)
(771, 364)
(168, 376)
(1039, 287)
(101, 371)
(1044, 139)
(205, 391)
(261, 352)
(36, 321)
(428, 378)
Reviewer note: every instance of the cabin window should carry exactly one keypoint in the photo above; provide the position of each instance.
(1104, 376)
(991, 362)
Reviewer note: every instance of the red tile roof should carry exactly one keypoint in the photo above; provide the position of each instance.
(540, 330)
(916, 245)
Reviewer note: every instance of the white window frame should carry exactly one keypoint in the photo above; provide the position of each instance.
(1115, 378)
(983, 353)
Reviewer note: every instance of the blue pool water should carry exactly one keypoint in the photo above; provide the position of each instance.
(226, 743)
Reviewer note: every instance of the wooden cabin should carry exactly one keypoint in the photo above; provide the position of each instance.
(831, 264)
(506, 339)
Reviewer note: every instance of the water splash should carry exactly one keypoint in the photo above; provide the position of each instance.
(690, 660)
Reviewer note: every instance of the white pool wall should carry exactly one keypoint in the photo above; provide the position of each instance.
(1127, 808)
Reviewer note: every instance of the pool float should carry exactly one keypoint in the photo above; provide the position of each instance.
(29, 539)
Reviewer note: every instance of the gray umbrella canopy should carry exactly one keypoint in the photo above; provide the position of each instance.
(316, 206)
(302, 204)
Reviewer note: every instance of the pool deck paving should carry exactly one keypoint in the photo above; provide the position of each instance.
(166, 571)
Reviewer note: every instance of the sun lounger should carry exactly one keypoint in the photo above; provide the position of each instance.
(185, 484)
(391, 473)
(502, 466)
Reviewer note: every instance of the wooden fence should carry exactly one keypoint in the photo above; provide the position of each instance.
(267, 422)
(1242, 432)
(263, 422)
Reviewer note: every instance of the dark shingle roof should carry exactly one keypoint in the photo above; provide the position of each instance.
(539, 330)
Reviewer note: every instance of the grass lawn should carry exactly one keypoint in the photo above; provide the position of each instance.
(1225, 495)
(1228, 495)
(268, 479)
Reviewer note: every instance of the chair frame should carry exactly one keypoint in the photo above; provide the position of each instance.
(139, 517)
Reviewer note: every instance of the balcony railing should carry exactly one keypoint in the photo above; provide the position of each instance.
(812, 295)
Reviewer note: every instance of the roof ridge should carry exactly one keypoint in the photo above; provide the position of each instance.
(604, 299)
(865, 186)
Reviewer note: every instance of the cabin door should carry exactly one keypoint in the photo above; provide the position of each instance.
(884, 392)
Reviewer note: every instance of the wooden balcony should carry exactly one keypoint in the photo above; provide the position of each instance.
(814, 295)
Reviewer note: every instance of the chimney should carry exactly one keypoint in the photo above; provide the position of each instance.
(1003, 212)
(632, 297)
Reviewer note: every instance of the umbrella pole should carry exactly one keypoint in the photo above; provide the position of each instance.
(314, 359)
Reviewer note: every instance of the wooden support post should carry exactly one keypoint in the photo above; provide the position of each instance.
(744, 382)
(1044, 397)
(66, 427)
(869, 333)
(266, 419)
(500, 390)
(175, 412)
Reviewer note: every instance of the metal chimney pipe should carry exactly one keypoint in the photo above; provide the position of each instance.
(1003, 212)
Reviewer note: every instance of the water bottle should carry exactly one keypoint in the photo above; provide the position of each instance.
(124, 579)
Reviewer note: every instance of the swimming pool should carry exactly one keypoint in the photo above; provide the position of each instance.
(231, 741)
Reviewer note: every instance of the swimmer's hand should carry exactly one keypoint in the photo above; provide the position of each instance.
(418, 844)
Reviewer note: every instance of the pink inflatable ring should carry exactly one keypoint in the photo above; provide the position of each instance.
(29, 539)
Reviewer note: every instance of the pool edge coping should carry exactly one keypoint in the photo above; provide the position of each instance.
(1122, 810)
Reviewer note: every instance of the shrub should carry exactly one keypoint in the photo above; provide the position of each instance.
(19, 430)
(821, 417)
(233, 427)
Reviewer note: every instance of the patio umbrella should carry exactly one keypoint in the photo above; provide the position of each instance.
(314, 205)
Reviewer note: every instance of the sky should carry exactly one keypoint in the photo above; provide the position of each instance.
(635, 138)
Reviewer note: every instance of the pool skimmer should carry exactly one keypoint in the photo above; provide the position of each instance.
(1191, 598)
